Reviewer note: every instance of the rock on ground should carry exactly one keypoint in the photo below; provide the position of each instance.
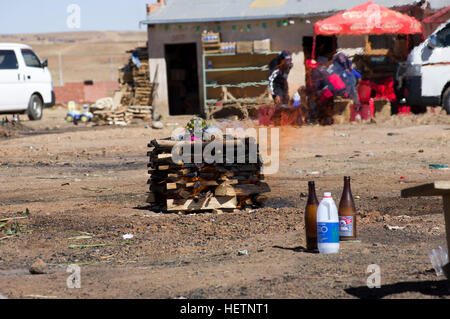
(38, 267)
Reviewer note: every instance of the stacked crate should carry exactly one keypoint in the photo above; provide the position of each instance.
(190, 186)
(211, 42)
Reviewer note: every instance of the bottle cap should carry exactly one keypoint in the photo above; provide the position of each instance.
(327, 195)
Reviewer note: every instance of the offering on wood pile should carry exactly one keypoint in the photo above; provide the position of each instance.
(186, 185)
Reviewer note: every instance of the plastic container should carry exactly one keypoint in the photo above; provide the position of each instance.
(327, 226)
(438, 258)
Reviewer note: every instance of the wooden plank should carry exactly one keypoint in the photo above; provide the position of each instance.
(165, 156)
(432, 189)
(187, 184)
(202, 203)
(248, 189)
(170, 186)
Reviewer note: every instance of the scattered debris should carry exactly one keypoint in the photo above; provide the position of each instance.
(394, 227)
(403, 179)
(39, 267)
(157, 125)
(80, 237)
(438, 166)
(242, 252)
(127, 236)
(86, 245)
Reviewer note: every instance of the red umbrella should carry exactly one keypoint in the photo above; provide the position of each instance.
(367, 18)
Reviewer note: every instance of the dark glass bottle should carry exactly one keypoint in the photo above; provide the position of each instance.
(311, 217)
(347, 213)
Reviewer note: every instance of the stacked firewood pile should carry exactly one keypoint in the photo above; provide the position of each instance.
(185, 185)
(134, 99)
(108, 112)
(118, 116)
(135, 80)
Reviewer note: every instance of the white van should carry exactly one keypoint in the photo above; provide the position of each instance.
(25, 82)
(425, 77)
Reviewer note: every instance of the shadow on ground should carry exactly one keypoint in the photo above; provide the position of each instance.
(297, 249)
(431, 288)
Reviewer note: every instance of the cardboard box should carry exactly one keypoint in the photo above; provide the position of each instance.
(261, 45)
(244, 47)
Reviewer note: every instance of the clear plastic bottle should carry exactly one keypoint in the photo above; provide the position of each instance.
(327, 226)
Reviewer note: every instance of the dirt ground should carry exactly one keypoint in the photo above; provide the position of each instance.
(65, 181)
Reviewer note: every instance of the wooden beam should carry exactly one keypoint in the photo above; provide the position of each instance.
(248, 189)
(201, 204)
(171, 143)
(433, 189)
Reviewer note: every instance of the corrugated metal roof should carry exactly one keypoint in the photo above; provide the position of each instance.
(182, 11)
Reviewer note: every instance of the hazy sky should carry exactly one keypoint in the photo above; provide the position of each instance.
(31, 16)
(39, 16)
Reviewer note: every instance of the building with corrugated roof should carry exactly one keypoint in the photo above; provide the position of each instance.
(180, 70)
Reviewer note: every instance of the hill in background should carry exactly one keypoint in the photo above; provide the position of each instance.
(89, 55)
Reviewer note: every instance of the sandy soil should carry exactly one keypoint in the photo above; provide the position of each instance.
(91, 181)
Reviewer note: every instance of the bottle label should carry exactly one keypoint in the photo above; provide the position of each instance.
(346, 226)
(327, 233)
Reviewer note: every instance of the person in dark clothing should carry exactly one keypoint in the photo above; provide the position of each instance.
(279, 69)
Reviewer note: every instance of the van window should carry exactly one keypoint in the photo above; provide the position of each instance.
(443, 37)
(31, 59)
(8, 60)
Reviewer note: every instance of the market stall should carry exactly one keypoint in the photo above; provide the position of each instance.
(381, 53)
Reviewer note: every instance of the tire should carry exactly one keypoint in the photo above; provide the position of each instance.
(446, 100)
(35, 108)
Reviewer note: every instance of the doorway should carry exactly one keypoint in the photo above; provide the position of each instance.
(182, 78)
(325, 46)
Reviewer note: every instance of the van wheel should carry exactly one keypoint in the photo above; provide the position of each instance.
(35, 107)
(446, 100)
